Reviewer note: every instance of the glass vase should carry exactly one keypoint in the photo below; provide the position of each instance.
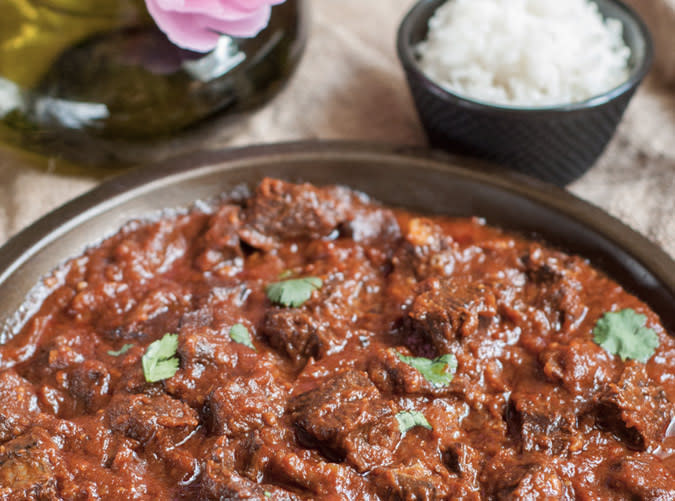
(96, 82)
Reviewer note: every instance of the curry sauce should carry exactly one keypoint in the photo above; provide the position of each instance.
(308, 343)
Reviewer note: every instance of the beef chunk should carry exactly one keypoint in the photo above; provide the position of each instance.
(297, 333)
(89, 384)
(543, 265)
(64, 351)
(19, 405)
(152, 249)
(281, 210)
(450, 309)
(251, 451)
(145, 418)
(222, 305)
(158, 310)
(206, 350)
(405, 483)
(340, 417)
(644, 477)
(349, 400)
(140, 254)
(250, 458)
(425, 251)
(372, 444)
(317, 478)
(204, 337)
(581, 366)
(205, 346)
(245, 404)
(271, 455)
(529, 477)
(542, 483)
(26, 467)
(373, 226)
(425, 237)
(350, 299)
(391, 375)
(220, 242)
(233, 468)
(464, 461)
(554, 286)
(222, 477)
(219, 482)
(634, 409)
(221, 230)
(541, 418)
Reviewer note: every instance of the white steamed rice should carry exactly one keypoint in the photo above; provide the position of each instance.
(530, 53)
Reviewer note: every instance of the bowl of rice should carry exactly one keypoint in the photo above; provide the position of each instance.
(536, 85)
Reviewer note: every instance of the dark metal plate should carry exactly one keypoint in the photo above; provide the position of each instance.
(414, 179)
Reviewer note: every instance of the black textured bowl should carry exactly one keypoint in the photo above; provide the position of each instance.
(557, 144)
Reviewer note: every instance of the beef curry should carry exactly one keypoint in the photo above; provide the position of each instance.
(308, 343)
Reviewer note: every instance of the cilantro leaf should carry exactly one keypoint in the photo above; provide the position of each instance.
(121, 351)
(624, 333)
(240, 334)
(293, 292)
(160, 361)
(267, 494)
(438, 371)
(408, 420)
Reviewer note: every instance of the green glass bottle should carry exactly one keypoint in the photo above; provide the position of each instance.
(95, 81)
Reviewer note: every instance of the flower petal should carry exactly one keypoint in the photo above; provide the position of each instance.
(200, 32)
(221, 9)
(182, 29)
(197, 24)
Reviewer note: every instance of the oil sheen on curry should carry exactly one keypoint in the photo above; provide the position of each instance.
(307, 343)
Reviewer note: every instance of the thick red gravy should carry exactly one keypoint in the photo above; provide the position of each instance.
(536, 410)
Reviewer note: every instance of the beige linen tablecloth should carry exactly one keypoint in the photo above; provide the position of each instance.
(350, 86)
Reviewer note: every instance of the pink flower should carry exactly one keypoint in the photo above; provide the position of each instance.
(197, 24)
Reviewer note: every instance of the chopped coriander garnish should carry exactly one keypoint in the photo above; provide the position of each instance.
(438, 371)
(121, 351)
(293, 292)
(624, 333)
(267, 494)
(408, 420)
(160, 361)
(285, 274)
(240, 334)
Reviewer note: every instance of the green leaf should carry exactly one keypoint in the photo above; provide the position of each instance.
(159, 360)
(624, 333)
(267, 494)
(121, 351)
(293, 292)
(438, 371)
(240, 334)
(408, 420)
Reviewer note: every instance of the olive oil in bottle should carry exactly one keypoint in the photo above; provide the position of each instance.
(96, 82)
